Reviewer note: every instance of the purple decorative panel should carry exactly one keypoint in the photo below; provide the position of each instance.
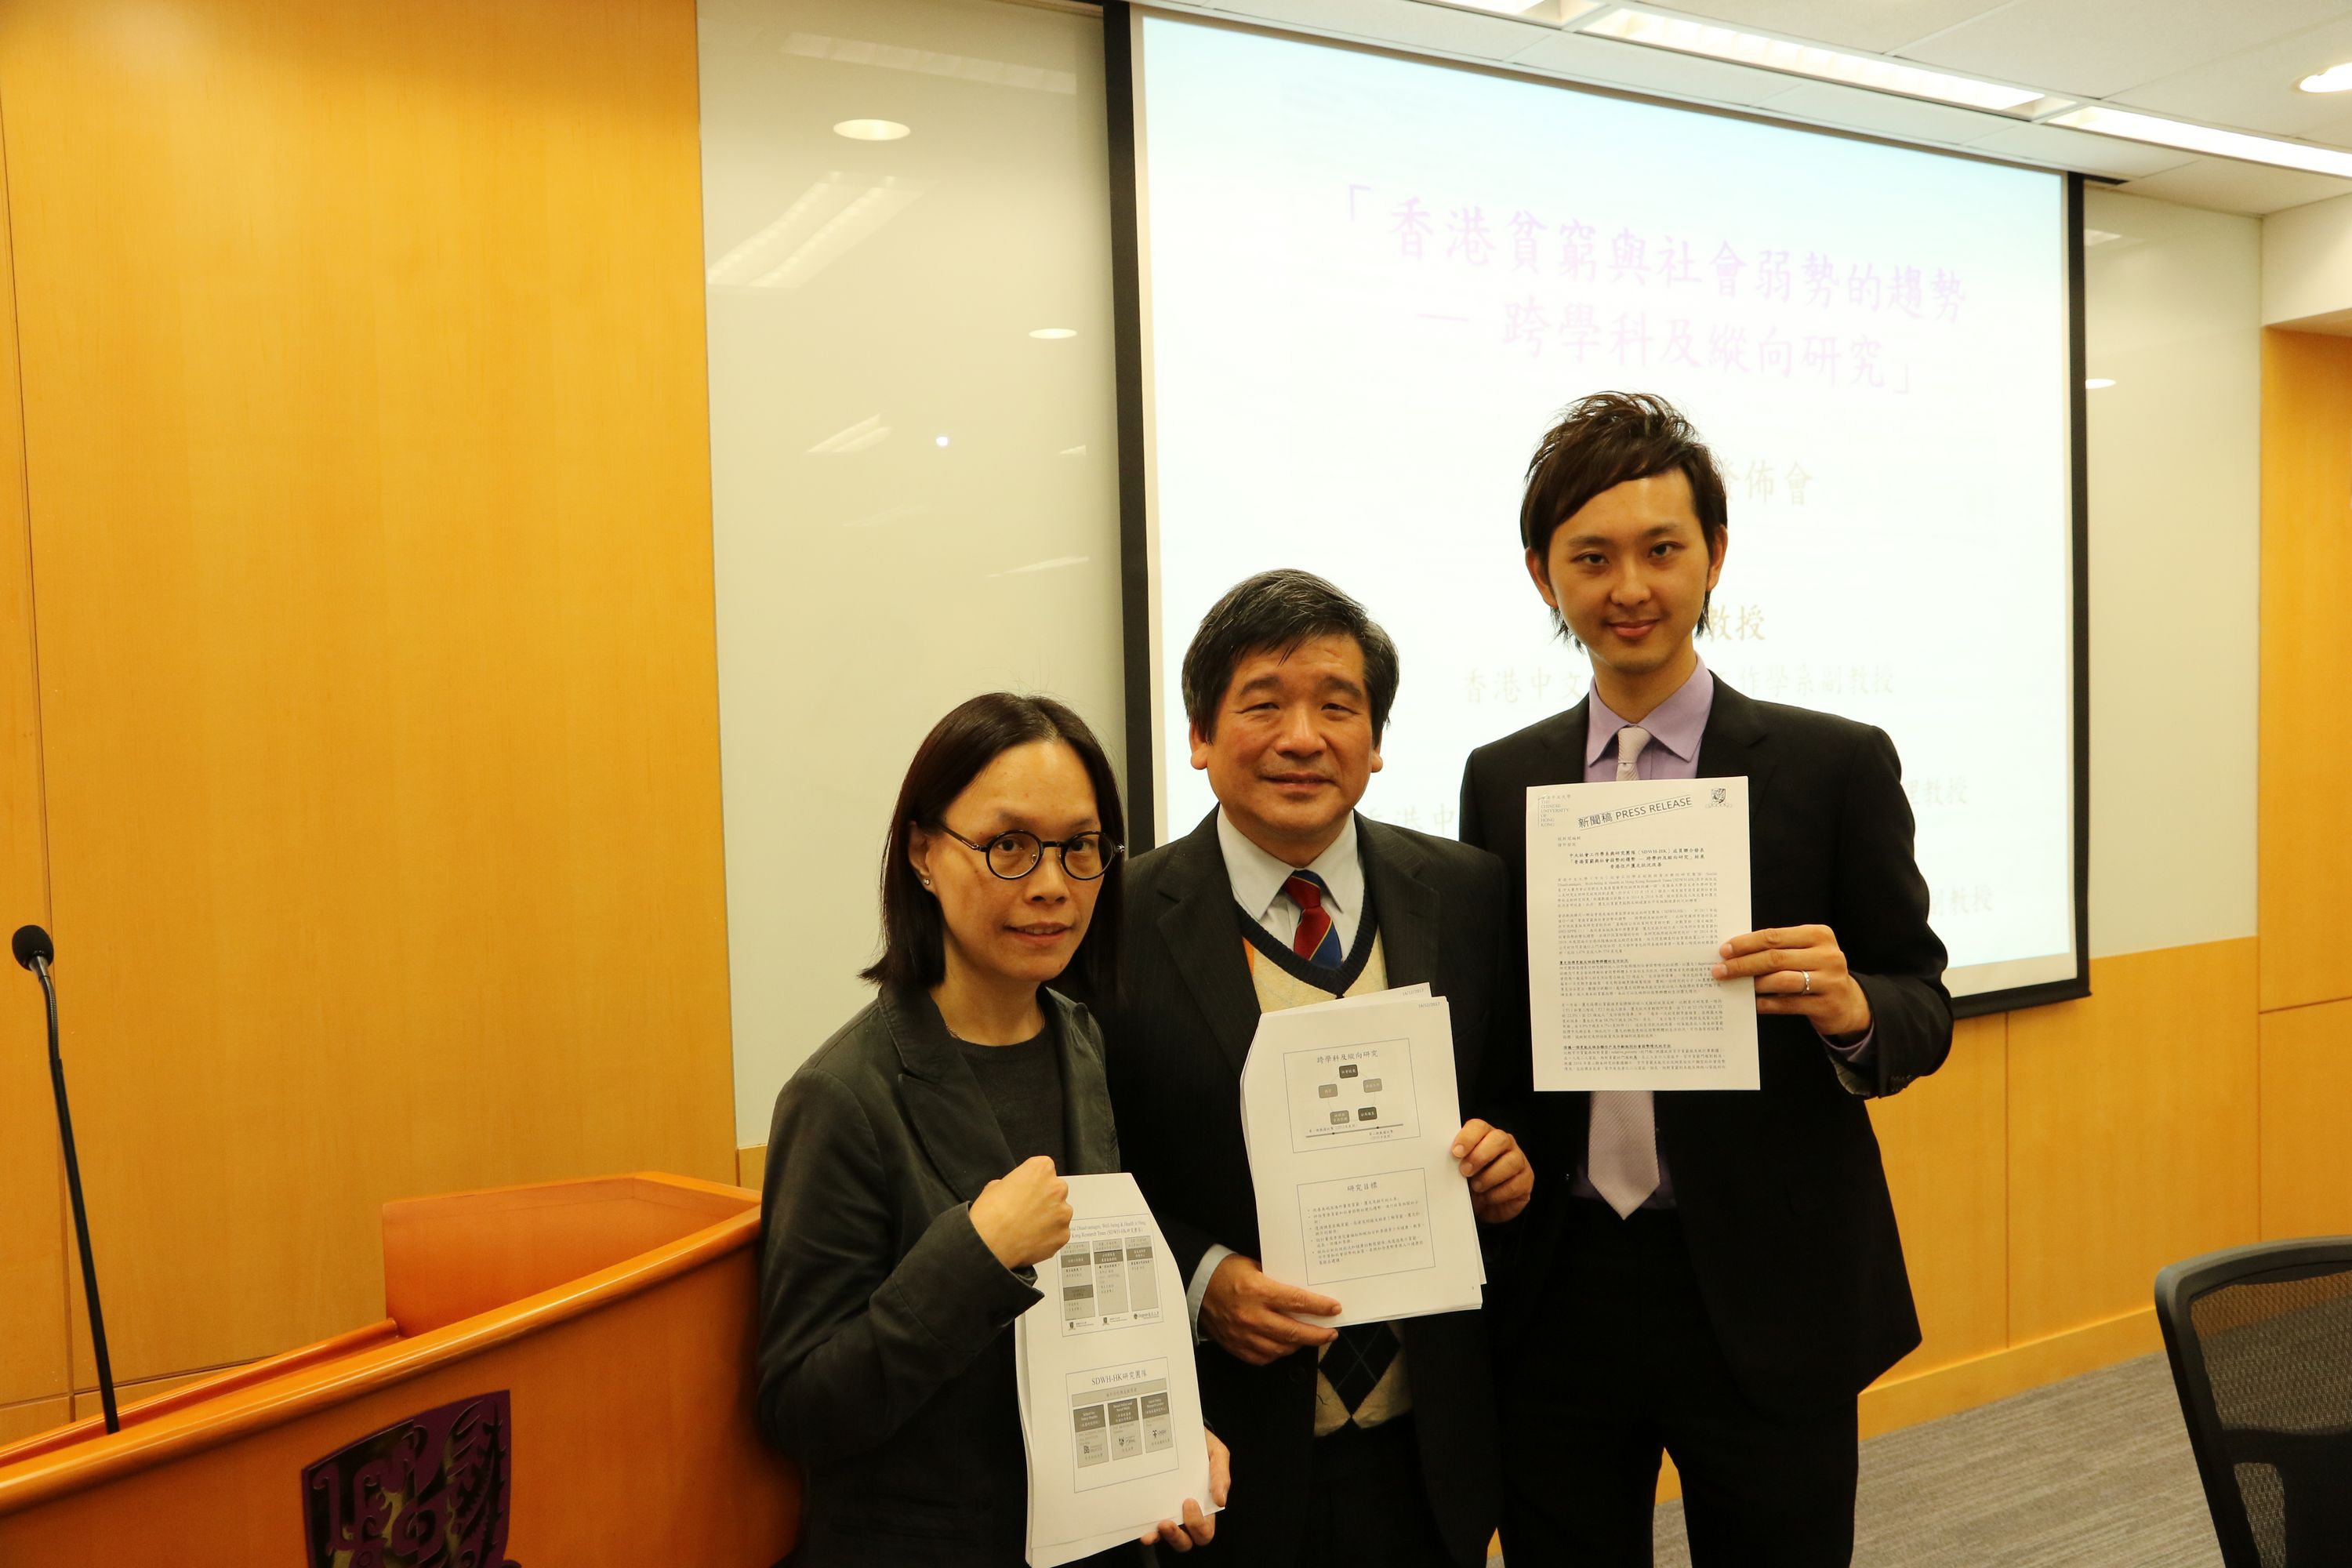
(427, 1492)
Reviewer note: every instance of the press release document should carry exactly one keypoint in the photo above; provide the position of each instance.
(1631, 889)
(1349, 1109)
(1110, 1406)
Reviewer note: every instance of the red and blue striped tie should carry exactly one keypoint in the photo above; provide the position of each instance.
(1317, 940)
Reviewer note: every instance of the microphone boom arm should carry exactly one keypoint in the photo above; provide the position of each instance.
(39, 964)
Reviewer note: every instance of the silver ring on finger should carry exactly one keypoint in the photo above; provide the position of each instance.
(1808, 974)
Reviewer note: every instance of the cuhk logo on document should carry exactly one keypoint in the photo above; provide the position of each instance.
(1718, 796)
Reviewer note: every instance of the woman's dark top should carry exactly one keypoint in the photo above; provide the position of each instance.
(884, 1359)
(1024, 1085)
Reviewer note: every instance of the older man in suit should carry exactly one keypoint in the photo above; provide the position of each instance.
(1376, 1443)
(1714, 1274)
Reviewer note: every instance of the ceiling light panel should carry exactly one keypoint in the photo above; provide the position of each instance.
(2208, 139)
(1694, 78)
(1822, 65)
(1472, 33)
(2081, 151)
(1552, 13)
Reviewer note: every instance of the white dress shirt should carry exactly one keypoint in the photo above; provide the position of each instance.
(1256, 879)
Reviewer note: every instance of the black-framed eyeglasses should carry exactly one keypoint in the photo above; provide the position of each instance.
(1013, 854)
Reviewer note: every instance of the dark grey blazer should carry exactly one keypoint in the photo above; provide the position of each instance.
(884, 1362)
(1178, 1032)
(1783, 1200)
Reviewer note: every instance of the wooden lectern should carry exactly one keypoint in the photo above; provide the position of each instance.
(563, 1378)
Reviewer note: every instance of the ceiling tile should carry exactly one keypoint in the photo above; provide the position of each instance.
(2066, 149)
(2100, 47)
(2227, 185)
(1640, 68)
(2254, 90)
(1882, 113)
(1873, 27)
(1399, 22)
(2337, 131)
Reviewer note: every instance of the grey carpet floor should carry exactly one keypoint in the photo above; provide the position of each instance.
(2088, 1473)
(2085, 1473)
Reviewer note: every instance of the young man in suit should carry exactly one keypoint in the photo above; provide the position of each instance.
(1714, 1274)
(1373, 1445)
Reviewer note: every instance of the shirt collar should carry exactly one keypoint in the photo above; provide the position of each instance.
(1678, 724)
(1256, 877)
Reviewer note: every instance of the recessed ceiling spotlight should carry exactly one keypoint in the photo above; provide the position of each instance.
(871, 129)
(1054, 333)
(939, 440)
(2098, 382)
(2335, 78)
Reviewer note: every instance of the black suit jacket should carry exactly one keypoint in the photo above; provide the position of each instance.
(1783, 1200)
(884, 1362)
(1178, 1034)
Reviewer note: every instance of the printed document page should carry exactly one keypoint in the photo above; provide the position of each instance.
(1350, 1110)
(1110, 1406)
(1631, 889)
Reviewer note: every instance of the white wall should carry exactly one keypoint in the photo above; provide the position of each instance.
(2307, 266)
(861, 593)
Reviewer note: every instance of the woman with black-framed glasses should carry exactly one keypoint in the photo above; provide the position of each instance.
(915, 1164)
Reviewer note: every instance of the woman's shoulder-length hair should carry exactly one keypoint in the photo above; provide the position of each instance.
(959, 746)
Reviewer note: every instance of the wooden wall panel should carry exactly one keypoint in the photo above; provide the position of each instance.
(32, 1187)
(2306, 1067)
(36, 1416)
(2132, 1132)
(1946, 1144)
(2306, 720)
(86, 1402)
(365, 414)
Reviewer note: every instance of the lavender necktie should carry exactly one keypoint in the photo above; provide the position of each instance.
(1621, 1144)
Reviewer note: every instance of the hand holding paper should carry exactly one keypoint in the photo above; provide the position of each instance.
(1197, 1529)
(1801, 970)
(1256, 1318)
(1501, 1180)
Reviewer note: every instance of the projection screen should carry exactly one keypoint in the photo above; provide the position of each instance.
(1356, 287)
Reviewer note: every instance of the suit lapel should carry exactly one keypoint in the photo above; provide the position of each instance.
(1736, 745)
(944, 1102)
(1405, 907)
(1566, 740)
(1205, 942)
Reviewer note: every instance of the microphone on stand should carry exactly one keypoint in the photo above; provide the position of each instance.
(35, 951)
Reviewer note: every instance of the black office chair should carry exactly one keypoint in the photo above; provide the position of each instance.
(2261, 1342)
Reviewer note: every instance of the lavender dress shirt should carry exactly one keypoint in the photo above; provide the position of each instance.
(1676, 726)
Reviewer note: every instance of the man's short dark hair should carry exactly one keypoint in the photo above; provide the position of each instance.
(1274, 612)
(955, 752)
(1611, 438)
